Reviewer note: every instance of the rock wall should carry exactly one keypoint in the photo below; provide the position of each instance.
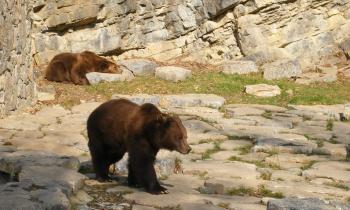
(17, 87)
(209, 31)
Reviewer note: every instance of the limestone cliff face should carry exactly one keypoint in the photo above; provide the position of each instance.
(305, 33)
(17, 87)
(210, 31)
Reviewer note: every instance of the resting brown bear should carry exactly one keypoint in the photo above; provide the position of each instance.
(72, 67)
(120, 126)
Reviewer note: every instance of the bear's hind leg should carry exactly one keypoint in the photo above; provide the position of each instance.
(99, 160)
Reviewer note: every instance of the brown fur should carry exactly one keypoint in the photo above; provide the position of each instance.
(120, 126)
(72, 67)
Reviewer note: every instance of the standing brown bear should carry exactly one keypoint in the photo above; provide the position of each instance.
(72, 67)
(120, 126)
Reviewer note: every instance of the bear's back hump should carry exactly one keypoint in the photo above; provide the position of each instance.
(113, 113)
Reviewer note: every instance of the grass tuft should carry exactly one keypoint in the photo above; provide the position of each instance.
(337, 185)
(245, 149)
(209, 152)
(308, 165)
(260, 192)
(329, 125)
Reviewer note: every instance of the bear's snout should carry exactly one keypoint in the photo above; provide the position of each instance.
(185, 150)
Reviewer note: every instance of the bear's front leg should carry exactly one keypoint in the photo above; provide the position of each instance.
(151, 183)
(143, 173)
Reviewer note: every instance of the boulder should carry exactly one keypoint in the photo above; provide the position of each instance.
(281, 69)
(263, 90)
(172, 73)
(139, 67)
(238, 67)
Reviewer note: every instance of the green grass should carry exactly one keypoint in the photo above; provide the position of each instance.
(267, 115)
(308, 165)
(241, 191)
(260, 192)
(259, 164)
(224, 205)
(209, 152)
(231, 87)
(329, 125)
(263, 192)
(245, 149)
(272, 152)
(235, 158)
(262, 164)
(338, 185)
(266, 175)
(320, 143)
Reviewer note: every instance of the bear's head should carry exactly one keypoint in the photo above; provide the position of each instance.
(173, 134)
(106, 66)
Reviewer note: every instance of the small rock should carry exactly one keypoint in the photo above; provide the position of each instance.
(97, 77)
(263, 90)
(172, 73)
(238, 67)
(139, 67)
(45, 96)
(304, 203)
(281, 69)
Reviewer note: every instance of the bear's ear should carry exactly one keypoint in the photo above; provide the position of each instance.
(163, 118)
(102, 65)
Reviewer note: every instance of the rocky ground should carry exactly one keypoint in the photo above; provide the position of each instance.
(244, 157)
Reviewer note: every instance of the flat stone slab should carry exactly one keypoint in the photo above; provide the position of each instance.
(20, 122)
(139, 98)
(192, 100)
(305, 203)
(139, 67)
(304, 189)
(196, 138)
(268, 108)
(97, 77)
(339, 171)
(48, 176)
(214, 168)
(183, 100)
(270, 144)
(14, 197)
(85, 108)
(243, 111)
(263, 90)
(239, 67)
(13, 163)
(172, 73)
